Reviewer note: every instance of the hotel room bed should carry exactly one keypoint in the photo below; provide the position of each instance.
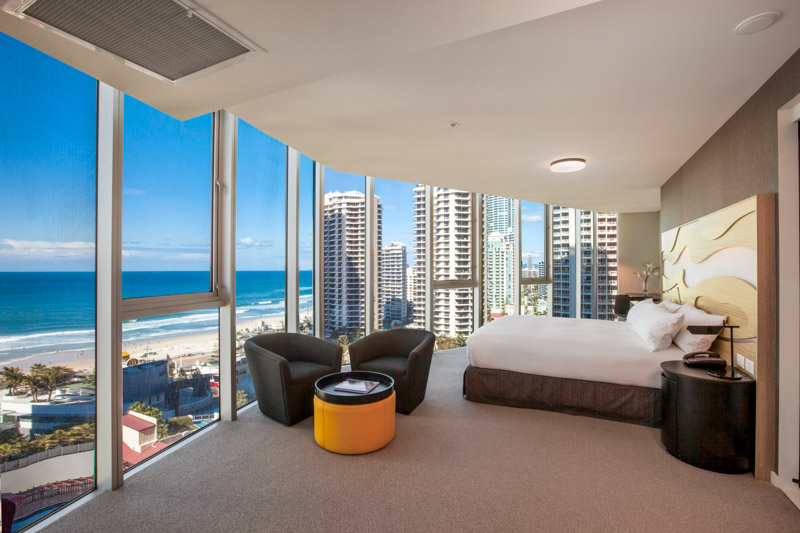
(584, 367)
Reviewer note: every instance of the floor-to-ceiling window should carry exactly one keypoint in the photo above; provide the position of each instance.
(305, 260)
(534, 284)
(171, 360)
(499, 256)
(398, 262)
(584, 245)
(48, 152)
(260, 243)
(345, 257)
(454, 265)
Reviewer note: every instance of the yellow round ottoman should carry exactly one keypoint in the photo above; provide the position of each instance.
(353, 423)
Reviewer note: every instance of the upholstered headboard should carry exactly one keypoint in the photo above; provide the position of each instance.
(724, 263)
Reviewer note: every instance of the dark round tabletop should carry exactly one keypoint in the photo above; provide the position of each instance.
(324, 388)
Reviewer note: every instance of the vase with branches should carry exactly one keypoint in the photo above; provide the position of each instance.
(648, 269)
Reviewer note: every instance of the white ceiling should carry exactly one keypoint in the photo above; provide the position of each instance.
(370, 87)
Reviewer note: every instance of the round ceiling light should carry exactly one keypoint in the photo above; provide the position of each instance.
(571, 164)
(759, 22)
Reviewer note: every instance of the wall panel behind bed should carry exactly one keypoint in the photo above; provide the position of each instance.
(724, 263)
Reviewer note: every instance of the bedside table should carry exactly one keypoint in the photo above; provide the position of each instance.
(706, 421)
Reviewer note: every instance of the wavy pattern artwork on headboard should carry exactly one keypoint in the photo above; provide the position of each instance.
(724, 263)
(727, 240)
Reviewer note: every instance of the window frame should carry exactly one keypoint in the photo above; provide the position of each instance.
(148, 306)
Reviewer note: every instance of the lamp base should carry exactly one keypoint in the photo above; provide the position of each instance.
(724, 374)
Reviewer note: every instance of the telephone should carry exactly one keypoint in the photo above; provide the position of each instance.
(704, 360)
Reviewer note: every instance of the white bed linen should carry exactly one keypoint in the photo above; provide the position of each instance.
(591, 350)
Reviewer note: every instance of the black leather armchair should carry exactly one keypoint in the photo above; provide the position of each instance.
(403, 354)
(284, 368)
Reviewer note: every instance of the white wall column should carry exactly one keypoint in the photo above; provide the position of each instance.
(108, 321)
(292, 239)
(225, 181)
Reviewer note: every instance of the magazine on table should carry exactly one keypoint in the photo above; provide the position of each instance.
(358, 386)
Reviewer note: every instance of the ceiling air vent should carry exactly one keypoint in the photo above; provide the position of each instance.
(166, 38)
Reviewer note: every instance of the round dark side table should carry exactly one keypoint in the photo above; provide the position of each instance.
(707, 421)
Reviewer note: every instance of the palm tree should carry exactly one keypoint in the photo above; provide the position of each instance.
(12, 378)
(34, 384)
(37, 369)
(53, 377)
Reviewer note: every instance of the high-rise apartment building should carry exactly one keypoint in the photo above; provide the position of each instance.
(584, 263)
(344, 248)
(499, 264)
(452, 252)
(499, 274)
(392, 286)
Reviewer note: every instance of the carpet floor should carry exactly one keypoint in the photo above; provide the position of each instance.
(454, 465)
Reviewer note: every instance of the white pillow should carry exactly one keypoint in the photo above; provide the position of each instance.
(638, 310)
(670, 305)
(693, 316)
(657, 327)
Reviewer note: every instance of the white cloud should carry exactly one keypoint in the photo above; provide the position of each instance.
(133, 192)
(249, 242)
(390, 207)
(44, 250)
(532, 218)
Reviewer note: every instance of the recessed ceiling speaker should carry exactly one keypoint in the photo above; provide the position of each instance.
(168, 39)
(756, 23)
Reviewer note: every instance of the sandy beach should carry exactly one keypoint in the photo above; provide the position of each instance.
(184, 350)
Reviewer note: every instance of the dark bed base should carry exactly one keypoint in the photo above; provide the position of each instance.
(623, 403)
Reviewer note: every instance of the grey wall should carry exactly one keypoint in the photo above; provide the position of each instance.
(639, 240)
(738, 161)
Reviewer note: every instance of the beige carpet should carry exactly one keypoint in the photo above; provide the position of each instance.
(453, 466)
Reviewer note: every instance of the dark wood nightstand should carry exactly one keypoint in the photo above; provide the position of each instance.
(707, 421)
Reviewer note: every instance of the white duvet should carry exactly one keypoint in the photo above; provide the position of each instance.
(591, 350)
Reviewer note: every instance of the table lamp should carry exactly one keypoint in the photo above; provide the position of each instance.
(715, 330)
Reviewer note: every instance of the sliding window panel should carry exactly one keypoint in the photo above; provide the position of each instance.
(398, 243)
(166, 203)
(345, 256)
(534, 276)
(260, 243)
(499, 256)
(305, 263)
(48, 161)
(170, 380)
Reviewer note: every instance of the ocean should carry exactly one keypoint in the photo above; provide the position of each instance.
(42, 312)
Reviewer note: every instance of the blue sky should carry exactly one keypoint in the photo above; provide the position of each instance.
(48, 157)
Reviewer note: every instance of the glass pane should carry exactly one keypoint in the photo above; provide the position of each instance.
(452, 317)
(166, 202)
(533, 297)
(584, 263)
(344, 249)
(397, 303)
(306, 251)
(48, 138)
(452, 234)
(499, 257)
(170, 380)
(606, 265)
(260, 243)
